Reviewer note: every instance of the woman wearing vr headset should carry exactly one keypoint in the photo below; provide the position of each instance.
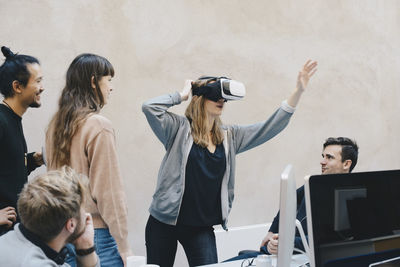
(196, 178)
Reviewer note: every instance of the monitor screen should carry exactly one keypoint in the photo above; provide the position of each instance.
(355, 217)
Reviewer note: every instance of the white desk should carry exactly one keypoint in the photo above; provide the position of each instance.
(297, 260)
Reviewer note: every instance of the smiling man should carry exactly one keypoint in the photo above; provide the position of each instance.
(21, 85)
(339, 155)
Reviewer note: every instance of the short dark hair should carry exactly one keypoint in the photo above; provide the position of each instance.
(13, 69)
(349, 149)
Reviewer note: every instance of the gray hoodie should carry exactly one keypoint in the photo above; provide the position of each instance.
(17, 251)
(174, 133)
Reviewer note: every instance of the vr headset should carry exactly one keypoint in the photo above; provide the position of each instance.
(222, 88)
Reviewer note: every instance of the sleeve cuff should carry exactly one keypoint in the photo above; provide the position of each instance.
(176, 98)
(286, 107)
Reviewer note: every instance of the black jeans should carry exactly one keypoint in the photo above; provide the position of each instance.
(161, 243)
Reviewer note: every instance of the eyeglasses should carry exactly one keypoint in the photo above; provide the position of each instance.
(247, 262)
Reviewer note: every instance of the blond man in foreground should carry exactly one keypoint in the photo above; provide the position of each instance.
(52, 215)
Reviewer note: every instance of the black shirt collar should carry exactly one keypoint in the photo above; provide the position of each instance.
(10, 111)
(57, 257)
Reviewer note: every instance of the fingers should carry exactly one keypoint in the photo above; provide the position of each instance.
(307, 63)
(9, 220)
(273, 244)
(85, 240)
(9, 208)
(189, 82)
(305, 74)
(12, 216)
(89, 219)
(12, 212)
(9, 215)
(263, 243)
(188, 85)
(9, 223)
(310, 65)
(312, 73)
(266, 239)
(187, 88)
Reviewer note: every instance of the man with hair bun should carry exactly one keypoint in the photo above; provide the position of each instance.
(21, 86)
(52, 215)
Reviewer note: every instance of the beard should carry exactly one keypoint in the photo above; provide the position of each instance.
(80, 229)
(35, 104)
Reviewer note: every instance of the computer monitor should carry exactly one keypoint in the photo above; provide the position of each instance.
(287, 217)
(353, 219)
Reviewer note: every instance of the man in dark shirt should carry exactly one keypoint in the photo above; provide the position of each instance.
(21, 86)
(339, 155)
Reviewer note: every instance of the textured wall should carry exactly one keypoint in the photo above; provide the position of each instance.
(156, 45)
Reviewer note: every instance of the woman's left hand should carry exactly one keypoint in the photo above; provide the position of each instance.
(187, 88)
(305, 74)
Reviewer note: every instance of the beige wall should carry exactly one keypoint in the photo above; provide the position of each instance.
(156, 45)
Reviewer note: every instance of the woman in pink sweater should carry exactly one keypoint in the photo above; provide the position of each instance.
(78, 136)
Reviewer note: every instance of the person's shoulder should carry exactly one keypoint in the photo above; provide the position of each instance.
(98, 121)
(36, 258)
(228, 127)
(17, 251)
(300, 191)
(3, 115)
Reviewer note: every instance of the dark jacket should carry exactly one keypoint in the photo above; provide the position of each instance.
(301, 216)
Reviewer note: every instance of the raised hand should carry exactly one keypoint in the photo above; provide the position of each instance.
(187, 88)
(305, 74)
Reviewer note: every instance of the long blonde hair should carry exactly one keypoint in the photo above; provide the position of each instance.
(78, 100)
(197, 116)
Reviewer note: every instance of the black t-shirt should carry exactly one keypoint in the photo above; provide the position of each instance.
(201, 204)
(15, 163)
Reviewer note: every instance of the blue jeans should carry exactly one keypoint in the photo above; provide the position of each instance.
(106, 249)
(162, 240)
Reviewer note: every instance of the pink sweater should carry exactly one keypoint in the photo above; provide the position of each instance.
(93, 154)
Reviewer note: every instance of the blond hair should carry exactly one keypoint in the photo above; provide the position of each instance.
(197, 116)
(49, 200)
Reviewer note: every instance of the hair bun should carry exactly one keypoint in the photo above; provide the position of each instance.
(7, 52)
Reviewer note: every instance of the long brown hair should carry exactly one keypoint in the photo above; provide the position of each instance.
(197, 116)
(78, 100)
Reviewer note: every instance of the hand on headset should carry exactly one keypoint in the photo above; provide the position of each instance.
(187, 88)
